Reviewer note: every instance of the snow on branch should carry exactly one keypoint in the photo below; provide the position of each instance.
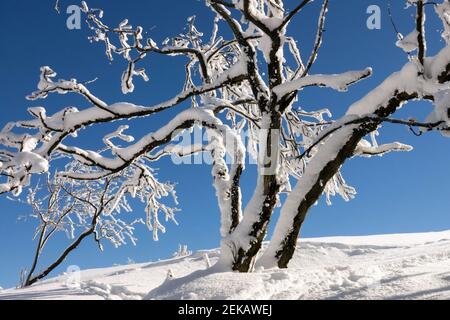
(339, 82)
(443, 11)
(94, 209)
(230, 90)
(317, 43)
(416, 40)
(420, 28)
(344, 137)
(223, 75)
(127, 155)
(244, 39)
(438, 125)
(47, 86)
(366, 149)
(134, 47)
(35, 149)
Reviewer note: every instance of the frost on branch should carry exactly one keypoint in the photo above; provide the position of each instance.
(47, 86)
(142, 184)
(82, 209)
(133, 45)
(137, 182)
(366, 149)
(441, 112)
(420, 78)
(18, 161)
(408, 43)
(443, 11)
(223, 81)
(244, 80)
(339, 82)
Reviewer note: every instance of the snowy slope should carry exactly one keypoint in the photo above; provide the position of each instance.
(405, 266)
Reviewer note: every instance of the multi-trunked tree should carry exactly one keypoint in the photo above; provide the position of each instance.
(244, 83)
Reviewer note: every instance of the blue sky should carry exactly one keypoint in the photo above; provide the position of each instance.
(402, 192)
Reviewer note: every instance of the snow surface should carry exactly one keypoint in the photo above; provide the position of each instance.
(400, 266)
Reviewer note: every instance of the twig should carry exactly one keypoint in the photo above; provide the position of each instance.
(410, 123)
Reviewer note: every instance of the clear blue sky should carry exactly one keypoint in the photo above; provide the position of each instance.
(402, 192)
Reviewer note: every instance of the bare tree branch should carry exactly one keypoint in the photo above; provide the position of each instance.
(420, 27)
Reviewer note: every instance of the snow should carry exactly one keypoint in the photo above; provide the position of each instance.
(339, 82)
(404, 80)
(443, 10)
(441, 110)
(397, 266)
(290, 207)
(229, 76)
(408, 43)
(366, 149)
(36, 163)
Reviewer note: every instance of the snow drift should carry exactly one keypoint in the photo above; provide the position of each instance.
(403, 266)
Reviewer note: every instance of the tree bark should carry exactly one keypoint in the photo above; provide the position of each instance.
(33, 279)
(244, 243)
(282, 249)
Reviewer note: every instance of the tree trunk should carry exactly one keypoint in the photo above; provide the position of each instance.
(327, 162)
(240, 248)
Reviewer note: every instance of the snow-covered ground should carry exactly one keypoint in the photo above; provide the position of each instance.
(404, 266)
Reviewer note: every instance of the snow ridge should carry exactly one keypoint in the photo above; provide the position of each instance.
(403, 266)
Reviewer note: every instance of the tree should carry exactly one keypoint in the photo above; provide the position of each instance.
(83, 209)
(244, 83)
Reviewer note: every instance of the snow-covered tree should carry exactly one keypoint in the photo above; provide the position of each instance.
(90, 209)
(242, 83)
